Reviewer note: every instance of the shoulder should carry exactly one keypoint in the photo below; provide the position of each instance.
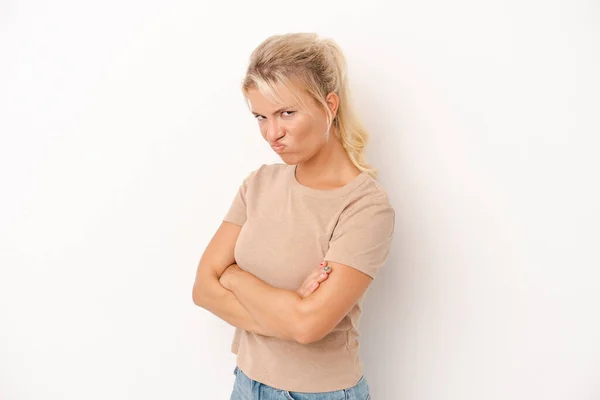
(363, 234)
(370, 194)
(368, 207)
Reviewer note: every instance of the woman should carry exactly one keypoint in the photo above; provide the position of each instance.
(302, 241)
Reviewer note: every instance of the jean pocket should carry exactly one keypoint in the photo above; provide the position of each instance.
(288, 395)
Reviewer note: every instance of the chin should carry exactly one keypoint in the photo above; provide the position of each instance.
(289, 160)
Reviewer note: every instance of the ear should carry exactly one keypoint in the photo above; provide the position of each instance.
(333, 102)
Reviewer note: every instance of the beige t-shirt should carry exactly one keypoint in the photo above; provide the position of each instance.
(287, 230)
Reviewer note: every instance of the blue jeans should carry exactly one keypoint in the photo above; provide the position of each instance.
(245, 388)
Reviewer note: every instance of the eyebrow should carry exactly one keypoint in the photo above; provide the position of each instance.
(276, 112)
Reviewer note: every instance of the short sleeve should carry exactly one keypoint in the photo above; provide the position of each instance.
(237, 212)
(363, 235)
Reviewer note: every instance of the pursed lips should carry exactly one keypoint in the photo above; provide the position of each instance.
(277, 147)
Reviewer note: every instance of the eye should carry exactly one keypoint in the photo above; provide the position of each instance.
(260, 117)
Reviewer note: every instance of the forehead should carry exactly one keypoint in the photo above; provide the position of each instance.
(287, 97)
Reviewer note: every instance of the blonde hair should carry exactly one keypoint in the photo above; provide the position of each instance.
(320, 66)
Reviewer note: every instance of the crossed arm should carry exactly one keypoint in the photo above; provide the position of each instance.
(245, 301)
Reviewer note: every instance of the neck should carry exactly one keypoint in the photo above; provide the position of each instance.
(331, 167)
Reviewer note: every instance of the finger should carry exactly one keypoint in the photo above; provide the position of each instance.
(303, 292)
(322, 277)
(308, 289)
(324, 266)
(306, 286)
(315, 276)
(312, 288)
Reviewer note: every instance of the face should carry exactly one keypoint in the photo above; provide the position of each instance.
(291, 131)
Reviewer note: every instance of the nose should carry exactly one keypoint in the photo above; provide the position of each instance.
(273, 131)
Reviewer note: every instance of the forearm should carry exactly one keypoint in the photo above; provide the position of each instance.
(277, 310)
(224, 304)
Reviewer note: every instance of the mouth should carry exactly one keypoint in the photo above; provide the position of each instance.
(278, 148)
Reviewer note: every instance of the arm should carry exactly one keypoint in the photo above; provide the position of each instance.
(209, 294)
(275, 309)
(304, 320)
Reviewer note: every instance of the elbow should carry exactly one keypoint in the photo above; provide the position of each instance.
(198, 296)
(309, 334)
(308, 328)
(203, 291)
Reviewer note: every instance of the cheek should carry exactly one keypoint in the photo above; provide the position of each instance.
(301, 130)
(263, 129)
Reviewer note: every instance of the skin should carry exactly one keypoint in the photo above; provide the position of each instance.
(243, 300)
(322, 161)
(314, 280)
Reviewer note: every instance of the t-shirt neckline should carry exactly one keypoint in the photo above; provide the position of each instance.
(326, 193)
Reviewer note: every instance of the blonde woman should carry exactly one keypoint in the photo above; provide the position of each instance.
(292, 260)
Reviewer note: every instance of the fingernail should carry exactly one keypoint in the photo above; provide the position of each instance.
(324, 274)
(327, 268)
(322, 263)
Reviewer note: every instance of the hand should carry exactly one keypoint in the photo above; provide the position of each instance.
(314, 280)
(228, 274)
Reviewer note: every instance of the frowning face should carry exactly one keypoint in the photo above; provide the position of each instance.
(296, 134)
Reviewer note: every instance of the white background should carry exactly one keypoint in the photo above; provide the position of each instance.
(124, 137)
